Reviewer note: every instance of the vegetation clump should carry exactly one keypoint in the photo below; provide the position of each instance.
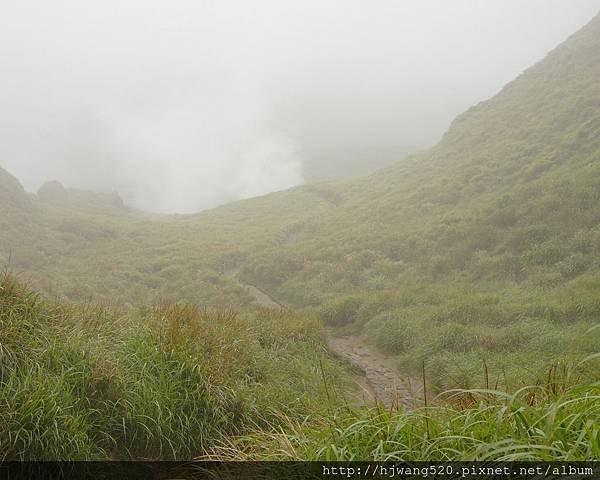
(87, 382)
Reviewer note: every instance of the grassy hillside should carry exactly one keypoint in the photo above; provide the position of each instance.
(178, 382)
(496, 227)
(508, 196)
(478, 258)
(175, 381)
(80, 246)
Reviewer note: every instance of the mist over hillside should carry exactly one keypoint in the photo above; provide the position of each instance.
(184, 108)
(444, 307)
(496, 174)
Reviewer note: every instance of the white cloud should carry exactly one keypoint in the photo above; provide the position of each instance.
(186, 104)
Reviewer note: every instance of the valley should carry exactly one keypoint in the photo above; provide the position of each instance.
(264, 329)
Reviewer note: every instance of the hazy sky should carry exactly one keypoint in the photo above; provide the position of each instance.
(182, 105)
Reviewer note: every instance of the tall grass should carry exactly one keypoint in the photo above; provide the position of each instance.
(179, 382)
(555, 420)
(84, 382)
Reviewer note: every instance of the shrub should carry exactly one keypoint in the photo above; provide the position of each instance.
(454, 337)
(341, 311)
(392, 332)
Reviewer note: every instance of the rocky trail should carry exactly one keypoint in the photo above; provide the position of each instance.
(381, 377)
(261, 297)
(380, 380)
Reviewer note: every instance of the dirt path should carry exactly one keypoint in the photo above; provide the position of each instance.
(380, 380)
(261, 297)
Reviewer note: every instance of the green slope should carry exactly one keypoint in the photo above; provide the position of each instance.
(485, 247)
(82, 382)
(177, 381)
(513, 182)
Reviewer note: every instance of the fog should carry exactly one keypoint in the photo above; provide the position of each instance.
(184, 105)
